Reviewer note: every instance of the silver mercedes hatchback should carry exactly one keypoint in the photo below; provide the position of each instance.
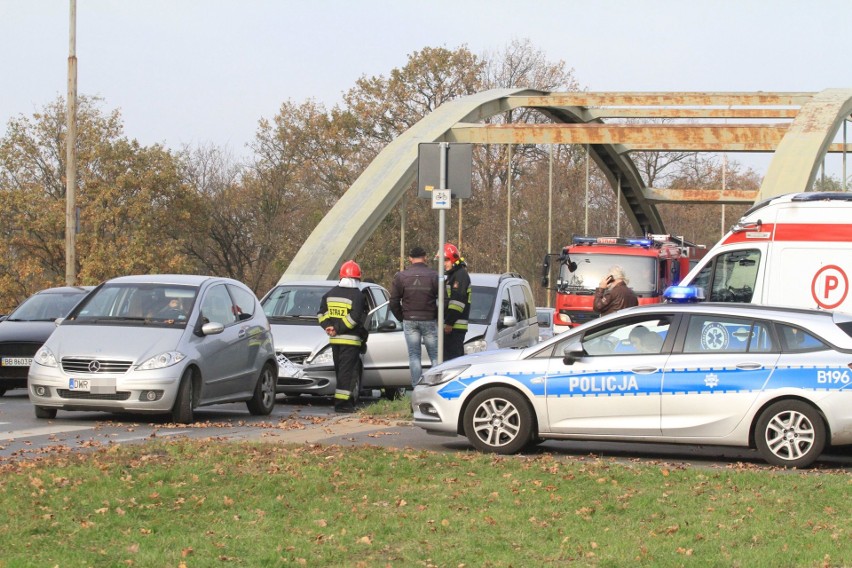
(158, 344)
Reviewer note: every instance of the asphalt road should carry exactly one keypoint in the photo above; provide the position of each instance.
(313, 420)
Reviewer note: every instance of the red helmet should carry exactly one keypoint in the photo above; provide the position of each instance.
(451, 252)
(350, 269)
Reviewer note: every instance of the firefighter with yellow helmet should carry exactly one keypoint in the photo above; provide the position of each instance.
(343, 315)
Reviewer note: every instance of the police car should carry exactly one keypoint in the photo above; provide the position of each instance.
(775, 379)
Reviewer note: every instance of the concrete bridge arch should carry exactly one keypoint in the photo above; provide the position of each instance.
(806, 125)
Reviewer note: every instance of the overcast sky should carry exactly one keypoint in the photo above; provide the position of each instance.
(198, 71)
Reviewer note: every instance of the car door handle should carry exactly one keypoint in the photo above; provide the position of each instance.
(242, 333)
(644, 370)
(749, 366)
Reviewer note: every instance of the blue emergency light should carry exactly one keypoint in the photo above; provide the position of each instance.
(612, 241)
(683, 294)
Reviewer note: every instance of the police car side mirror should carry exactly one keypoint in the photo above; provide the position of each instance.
(572, 352)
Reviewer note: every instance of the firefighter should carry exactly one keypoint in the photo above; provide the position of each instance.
(457, 302)
(343, 314)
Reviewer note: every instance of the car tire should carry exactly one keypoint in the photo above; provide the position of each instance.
(393, 393)
(790, 433)
(498, 420)
(2, 391)
(45, 413)
(263, 400)
(356, 385)
(182, 410)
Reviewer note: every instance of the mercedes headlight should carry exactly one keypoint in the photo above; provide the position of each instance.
(45, 357)
(437, 377)
(161, 361)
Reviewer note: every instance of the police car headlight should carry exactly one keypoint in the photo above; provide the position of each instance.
(475, 346)
(323, 358)
(45, 357)
(437, 377)
(162, 361)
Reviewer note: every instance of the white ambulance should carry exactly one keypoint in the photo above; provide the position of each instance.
(791, 250)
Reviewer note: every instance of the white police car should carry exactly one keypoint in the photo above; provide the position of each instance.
(777, 379)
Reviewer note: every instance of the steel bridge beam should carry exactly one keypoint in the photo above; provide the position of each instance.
(809, 122)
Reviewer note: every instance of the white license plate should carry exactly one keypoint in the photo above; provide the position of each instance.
(287, 368)
(79, 385)
(17, 361)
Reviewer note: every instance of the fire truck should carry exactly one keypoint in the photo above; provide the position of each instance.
(651, 263)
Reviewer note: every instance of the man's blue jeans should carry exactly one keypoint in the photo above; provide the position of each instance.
(415, 331)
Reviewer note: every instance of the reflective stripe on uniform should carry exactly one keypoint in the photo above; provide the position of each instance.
(456, 305)
(460, 324)
(342, 395)
(346, 340)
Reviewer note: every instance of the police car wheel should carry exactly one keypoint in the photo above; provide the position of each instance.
(498, 420)
(790, 433)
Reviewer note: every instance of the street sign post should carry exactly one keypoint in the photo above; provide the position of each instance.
(444, 173)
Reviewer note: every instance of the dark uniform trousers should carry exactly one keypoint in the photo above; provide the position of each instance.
(346, 361)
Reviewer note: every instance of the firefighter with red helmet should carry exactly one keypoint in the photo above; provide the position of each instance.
(456, 303)
(343, 314)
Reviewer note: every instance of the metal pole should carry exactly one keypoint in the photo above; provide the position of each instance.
(550, 209)
(402, 255)
(442, 231)
(461, 247)
(586, 225)
(71, 153)
(724, 187)
(844, 154)
(618, 209)
(509, 213)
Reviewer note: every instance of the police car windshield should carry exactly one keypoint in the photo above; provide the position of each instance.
(591, 268)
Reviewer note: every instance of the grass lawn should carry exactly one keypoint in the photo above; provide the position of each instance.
(213, 503)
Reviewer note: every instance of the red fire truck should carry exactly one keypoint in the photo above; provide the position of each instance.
(651, 263)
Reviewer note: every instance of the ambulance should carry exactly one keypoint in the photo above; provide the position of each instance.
(792, 250)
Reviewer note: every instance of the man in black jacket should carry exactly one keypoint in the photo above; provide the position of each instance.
(457, 302)
(342, 314)
(414, 301)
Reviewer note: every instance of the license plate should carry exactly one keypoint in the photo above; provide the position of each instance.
(287, 368)
(17, 361)
(79, 385)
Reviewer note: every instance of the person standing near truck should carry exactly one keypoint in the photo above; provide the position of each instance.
(612, 293)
